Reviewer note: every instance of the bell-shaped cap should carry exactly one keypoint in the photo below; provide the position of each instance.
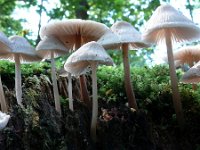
(49, 44)
(109, 40)
(67, 30)
(188, 54)
(167, 19)
(78, 62)
(192, 75)
(128, 34)
(4, 118)
(22, 48)
(5, 44)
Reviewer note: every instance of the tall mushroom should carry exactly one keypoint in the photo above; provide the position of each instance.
(169, 25)
(21, 52)
(5, 47)
(130, 38)
(91, 54)
(50, 48)
(75, 32)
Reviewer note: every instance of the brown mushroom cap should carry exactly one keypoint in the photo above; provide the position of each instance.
(192, 75)
(128, 34)
(168, 18)
(67, 30)
(5, 44)
(49, 44)
(23, 48)
(188, 55)
(78, 61)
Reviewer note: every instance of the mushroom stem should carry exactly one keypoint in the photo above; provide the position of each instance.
(174, 81)
(70, 92)
(18, 81)
(94, 102)
(83, 86)
(2, 98)
(55, 85)
(127, 79)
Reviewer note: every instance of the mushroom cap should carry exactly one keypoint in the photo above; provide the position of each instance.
(63, 73)
(67, 30)
(192, 75)
(78, 62)
(21, 47)
(4, 118)
(128, 34)
(49, 44)
(5, 44)
(188, 54)
(109, 40)
(167, 19)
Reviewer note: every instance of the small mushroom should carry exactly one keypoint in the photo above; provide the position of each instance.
(21, 52)
(130, 38)
(4, 118)
(192, 75)
(51, 48)
(169, 25)
(188, 55)
(89, 55)
(5, 47)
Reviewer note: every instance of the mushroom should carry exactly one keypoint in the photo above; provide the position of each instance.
(188, 55)
(89, 55)
(4, 118)
(169, 25)
(192, 75)
(64, 73)
(50, 48)
(21, 52)
(75, 32)
(5, 47)
(129, 38)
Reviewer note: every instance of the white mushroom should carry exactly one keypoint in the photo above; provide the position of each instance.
(5, 47)
(169, 25)
(21, 52)
(91, 54)
(50, 48)
(130, 38)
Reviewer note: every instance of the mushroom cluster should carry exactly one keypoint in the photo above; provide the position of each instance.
(86, 42)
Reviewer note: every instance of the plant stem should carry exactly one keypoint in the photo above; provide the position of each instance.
(71, 107)
(55, 85)
(127, 78)
(18, 81)
(174, 81)
(94, 102)
(2, 98)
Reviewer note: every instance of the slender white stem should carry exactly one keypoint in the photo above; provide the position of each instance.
(71, 107)
(2, 98)
(18, 80)
(55, 85)
(94, 102)
(174, 81)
